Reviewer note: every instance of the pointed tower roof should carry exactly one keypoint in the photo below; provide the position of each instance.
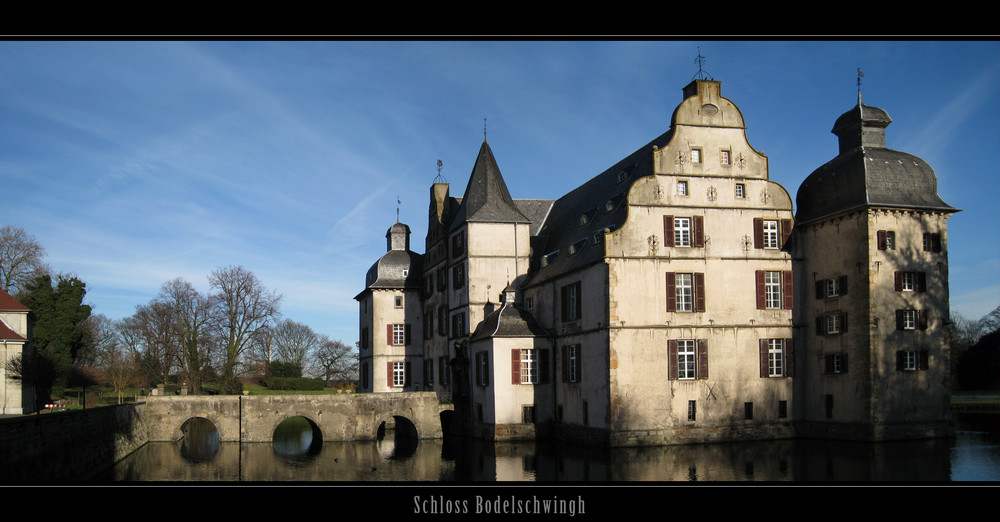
(486, 197)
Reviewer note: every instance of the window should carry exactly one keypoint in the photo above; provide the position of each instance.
(724, 157)
(571, 363)
(682, 188)
(570, 296)
(910, 281)
(911, 320)
(684, 231)
(741, 191)
(685, 359)
(364, 376)
(442, 279)
(748, 410)
(912, 360)
(398, 334)
(688, 359)
(828, 405)
(776, 358)
(529, 304)
(458, 324)
(774, 290)
(398, 301)
(442, 314)
(458, 245)
(692, 410)
(397, 374)
(429, 285)
(458, 276)
(429, 373)
(527, 414)
(695, 155)
(835, 363)
(443, 370)
(529, 366)
(364, 338)
(831, 324)
(932, 242)
(782, 409)
(771, 233)
(886, 239)
(685, 292)
(833, 287)
(482, 369)
(428, 324)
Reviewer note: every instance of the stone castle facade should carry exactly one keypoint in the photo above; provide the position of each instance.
(677, 297)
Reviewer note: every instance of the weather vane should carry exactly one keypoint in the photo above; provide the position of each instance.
(398, 203)
(484, 129)
(440, 178)
(700, 60)
(860, 75)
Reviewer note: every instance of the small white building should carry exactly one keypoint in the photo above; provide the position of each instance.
(16, 397)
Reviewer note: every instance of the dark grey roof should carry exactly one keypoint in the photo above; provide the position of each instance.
(509, 321)
(866, 173)
(400, 268)
(486, 197)
(566, 241)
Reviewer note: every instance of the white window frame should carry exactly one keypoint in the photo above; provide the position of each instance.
(684, 290)
(832, 323)
(398, 374)
(775, 357)
(682, 231)
(695, 155)
(687, 359)
(529, 366)
(772, 290)
(398, 301)
(837, 363)
(911, 360)
(572, 301)
(724, 157)
(771, 234)
(909, 319)
(682, 188)
(832, 287)
(741, 191)
(909, 282)
(890, 240)
(398, 334)
(572, 354)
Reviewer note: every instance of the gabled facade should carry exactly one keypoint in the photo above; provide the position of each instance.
(16, 396)
(656, 303)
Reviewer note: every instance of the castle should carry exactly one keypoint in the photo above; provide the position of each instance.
(676, 298)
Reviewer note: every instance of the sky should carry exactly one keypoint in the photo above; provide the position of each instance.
(134, 163)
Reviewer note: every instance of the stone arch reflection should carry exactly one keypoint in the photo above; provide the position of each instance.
(199, 440)
(297, 438)
(397, 437)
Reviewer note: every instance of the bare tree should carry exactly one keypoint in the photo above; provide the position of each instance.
(21, 259)
(118, 359)
(334, 361)
(293, 342)
(188, 313)
(242, 308)
(151, 331)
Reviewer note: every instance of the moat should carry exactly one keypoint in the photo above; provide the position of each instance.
(972, 456)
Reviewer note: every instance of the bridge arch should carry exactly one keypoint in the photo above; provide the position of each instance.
(199, 439)
(396, 436)
(296, 437)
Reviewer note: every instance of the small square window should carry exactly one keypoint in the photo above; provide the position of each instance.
(748, 410)
(724, 157)
(682, 188)
(741, 191)
(695, 155)
(399, 301)
(692, 410)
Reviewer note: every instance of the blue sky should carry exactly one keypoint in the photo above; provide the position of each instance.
(134, 163)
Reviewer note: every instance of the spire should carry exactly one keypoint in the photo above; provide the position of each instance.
(486, 197)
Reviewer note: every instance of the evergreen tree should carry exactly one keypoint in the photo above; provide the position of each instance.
(59, 329)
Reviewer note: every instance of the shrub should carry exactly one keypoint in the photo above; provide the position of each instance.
(297, 384)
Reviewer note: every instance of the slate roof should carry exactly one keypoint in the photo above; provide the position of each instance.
(509, 321)
(866, 173)
(399, 268)
(486, 196)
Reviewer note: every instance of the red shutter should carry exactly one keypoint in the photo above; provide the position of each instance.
(699, 292)
(698, 222)
(925, 359)
(843, 323)
(406, 374)
(843, 285)
(881, 239)
(543, 366)
(820, 289)
(389, 375)
(921, 281)
(790, 356)
(758, 232)
(786, 289)
(786, 230)
(564, 301)
(899, 319)
(702, 359)
(388, 334)
(671, 292)
(898, 276)
(579, 363)
(763, 357)
(672, 359)
(668, 231)
(819, 326)
(922, 319)
(515, 366)
(761, 302)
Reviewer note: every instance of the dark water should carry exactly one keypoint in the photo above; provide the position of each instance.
(298, 455)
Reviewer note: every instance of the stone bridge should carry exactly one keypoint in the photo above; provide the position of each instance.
(341, 417)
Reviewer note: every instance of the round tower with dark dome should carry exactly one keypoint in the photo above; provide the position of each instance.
(870, 239)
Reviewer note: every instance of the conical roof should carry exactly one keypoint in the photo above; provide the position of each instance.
(486, 197)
